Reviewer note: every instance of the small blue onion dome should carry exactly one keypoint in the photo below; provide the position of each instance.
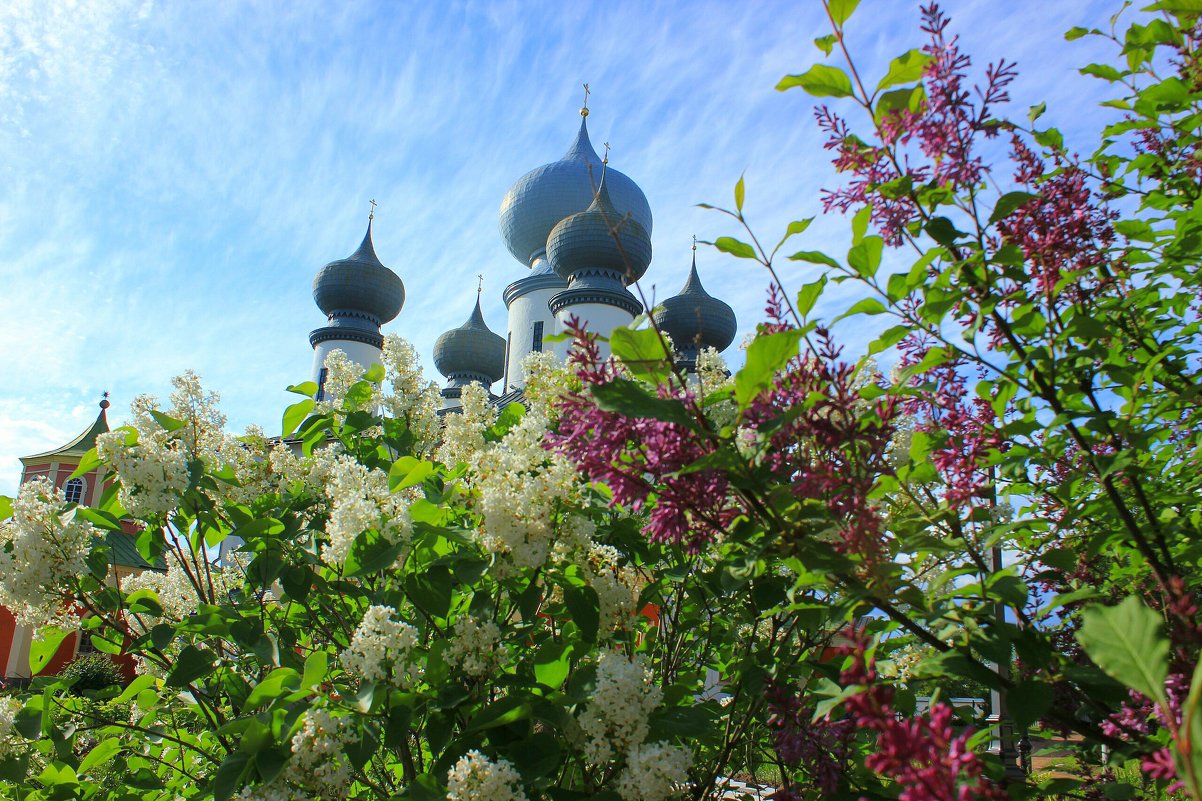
(598, 240)
(471, 352)
(695, 319)
(359, 285)
(548, 194)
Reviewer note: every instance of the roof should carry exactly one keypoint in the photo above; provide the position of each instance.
(124, 552)
(81, 444)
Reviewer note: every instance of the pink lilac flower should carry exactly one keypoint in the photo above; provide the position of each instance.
(923, 754)
(822, 748)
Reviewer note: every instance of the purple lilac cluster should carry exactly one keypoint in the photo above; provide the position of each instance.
(923, 754)
(822, 747)
(640, 458)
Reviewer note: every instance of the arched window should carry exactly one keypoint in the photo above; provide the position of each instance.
(74, 490)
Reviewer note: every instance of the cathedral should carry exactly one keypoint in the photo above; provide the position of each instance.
(582, 230)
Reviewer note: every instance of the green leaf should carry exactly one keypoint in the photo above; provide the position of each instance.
(44, 646)
(551, 664)
(820, 81)
(868, 306)
(841, 10)
(734, 247)
(766, 355)
(317, 665)
(295, 414)
(1028, 701)
(888, 339)
(409, 471)
(814, 257)
(168, 423)
(1036, 111)
(942, 231)
(104, 750)
(280, 681)
(375, 374)
(865, 258)
(1008, 203)
(89, 462)
(585, 610)
(796, 227)
(229, 776)
(629, 398)
(358, 396)
(905, 68)
(308, 389)
(191, 665)
(643, 352)
(431, 590)
(826, 43)
(501, 713)
(1075, 33)
(1126, 642)
(859, 224)
(740, 189)
(808, 295)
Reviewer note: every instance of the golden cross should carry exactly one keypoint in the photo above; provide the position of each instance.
(694, 243)
(606, 159)
(371, 215)
(480, 284)
(584, 108)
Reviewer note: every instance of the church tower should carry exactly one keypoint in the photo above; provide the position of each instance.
(358, 294)
(534, 205)
(467, 354)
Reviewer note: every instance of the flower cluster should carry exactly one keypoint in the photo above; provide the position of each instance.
(413, 399)
(924, 755)
(10, 741)
(636, 456)
(43, 552)
(382, 649)
(152, 469)
(617, 586)
(340, 375)
(476, 647)
(463, 433)
(616, 718)
(319, 762)
(475, 777)
(821, 747)
(360, 499)
(654, 772)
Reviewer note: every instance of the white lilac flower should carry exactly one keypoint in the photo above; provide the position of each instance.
(414, 399)
(43, 550)
(340, 375)
(359, 500)
(617, 715)
(319, 761)
(617, 587)
(381, 649)
(152, 469)
(519, 487)
(463, 432)
(547, 380)
(654, 772)
(475, 647)
(475, 777)
(10, 740)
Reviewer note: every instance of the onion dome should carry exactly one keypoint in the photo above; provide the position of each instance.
(600, 239)
(471, 352)
(695, 319)
(358, 294)
(548, 194)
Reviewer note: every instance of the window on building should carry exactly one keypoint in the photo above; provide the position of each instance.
(73, 489)
(321, 384)
(508, 344)
(537, 345)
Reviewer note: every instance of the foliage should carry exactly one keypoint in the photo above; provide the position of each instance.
(90, 673)
(647, 580)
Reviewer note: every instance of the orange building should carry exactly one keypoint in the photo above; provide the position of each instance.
(56, 466)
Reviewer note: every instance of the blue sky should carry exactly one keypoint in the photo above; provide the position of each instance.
(173, 174)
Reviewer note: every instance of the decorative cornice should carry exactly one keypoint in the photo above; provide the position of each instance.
(332, 333)
(610, 297)
(531, 283)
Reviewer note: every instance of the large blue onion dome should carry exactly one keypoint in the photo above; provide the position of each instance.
(471, 352)
(695, 319)
(548, 194)
(600, 241)
(359, 285)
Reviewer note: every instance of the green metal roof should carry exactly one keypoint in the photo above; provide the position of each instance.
(81, 444)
